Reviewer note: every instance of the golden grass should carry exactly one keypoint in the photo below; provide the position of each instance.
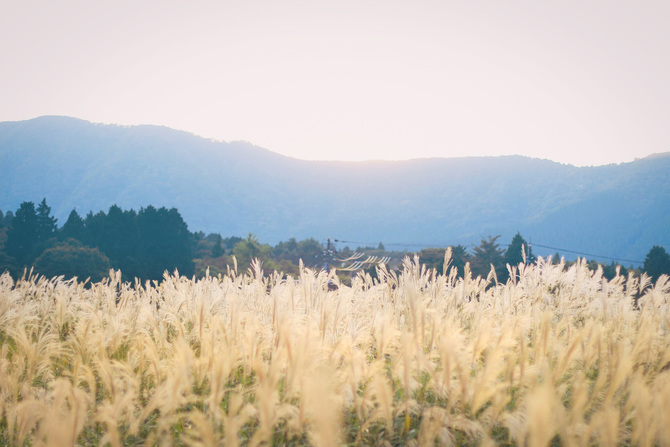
(554, 357)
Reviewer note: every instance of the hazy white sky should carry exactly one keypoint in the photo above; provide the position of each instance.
(582, 82)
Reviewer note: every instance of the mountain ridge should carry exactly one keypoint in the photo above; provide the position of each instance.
(237, 188)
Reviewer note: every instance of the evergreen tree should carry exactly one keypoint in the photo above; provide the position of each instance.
(9, 216)
(217, 250)
(513, 254)
(609, 270)
(46, 224)
(657, 262)
(7, 263)
(459, 257)
(432, 258)
(486, 254)
(121, 240)
(75, 228)
(166, 243)
(117, 236)
(95, 227)
(22, 236)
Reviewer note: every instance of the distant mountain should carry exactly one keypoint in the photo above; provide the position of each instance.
(237, 188)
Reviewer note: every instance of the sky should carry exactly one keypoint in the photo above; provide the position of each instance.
(579, 82)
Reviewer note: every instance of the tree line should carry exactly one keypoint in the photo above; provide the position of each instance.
(144, 244)
(489, 253)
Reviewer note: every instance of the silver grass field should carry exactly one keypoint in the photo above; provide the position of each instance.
(554, 357)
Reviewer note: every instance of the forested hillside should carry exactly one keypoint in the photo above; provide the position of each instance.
(237, 188)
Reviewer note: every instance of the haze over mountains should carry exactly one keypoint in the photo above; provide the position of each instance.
(237, 188)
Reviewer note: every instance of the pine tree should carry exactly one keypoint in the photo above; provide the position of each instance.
(22, 236)
(486, 254)
(459, 257)
(74, 228)
(513, 254)
(9, 216)
(46, 223)
(166, 243)
(217, 250)
(120, 240)
(657, 262)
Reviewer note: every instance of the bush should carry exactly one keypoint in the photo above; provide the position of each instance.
(71, 259)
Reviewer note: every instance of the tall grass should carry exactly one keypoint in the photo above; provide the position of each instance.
(554, 357)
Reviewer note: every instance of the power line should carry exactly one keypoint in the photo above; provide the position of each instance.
(566, 250)
(398, 244)
(586, 254)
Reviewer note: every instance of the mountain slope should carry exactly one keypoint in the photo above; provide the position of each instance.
(237, 188)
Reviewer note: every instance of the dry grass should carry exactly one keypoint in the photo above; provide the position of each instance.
(552, 358)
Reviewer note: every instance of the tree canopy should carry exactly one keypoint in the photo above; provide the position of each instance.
(22, 237)
(74, 228)
(250, 248)
(657, 262)
(143, 245)
(513, 254)
(71, 259)
(488, 253)
(147, 243)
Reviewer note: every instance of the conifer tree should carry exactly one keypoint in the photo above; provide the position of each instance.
(74, 228)
(22, 236)
(513, 254)
(217, 250)
(459, 257)
(9, 216)
(657, 262)
(46, 223)
(166, 243)
(489, 253)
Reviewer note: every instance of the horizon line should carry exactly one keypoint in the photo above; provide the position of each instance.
(336, 160)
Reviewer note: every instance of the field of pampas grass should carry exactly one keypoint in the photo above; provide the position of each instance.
(554, 357)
